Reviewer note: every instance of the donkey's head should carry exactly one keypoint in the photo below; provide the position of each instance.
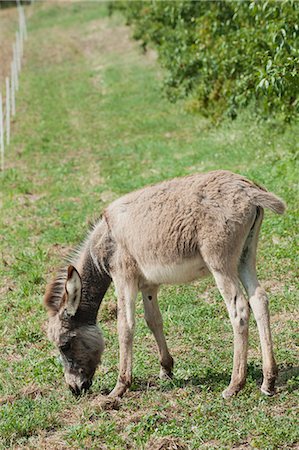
(80, 343)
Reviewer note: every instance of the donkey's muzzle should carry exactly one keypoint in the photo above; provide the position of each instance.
(79, 390)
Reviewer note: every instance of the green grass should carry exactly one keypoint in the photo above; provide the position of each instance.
(91, 125)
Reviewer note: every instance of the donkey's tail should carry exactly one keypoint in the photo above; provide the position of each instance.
(268, 200)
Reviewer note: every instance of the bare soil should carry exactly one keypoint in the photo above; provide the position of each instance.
(8, 28)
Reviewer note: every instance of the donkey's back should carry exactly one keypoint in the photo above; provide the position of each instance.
(174, 231)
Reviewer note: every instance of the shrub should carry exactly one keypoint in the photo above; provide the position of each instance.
(223, 55)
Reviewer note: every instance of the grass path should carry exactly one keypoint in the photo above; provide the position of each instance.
(92, 124)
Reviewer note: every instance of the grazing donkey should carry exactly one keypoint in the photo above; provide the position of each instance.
(173, 232)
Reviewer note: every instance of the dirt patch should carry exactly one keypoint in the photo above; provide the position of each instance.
(58, 47)
(103, 42)
(29, 198)
(108, 311)
(102, 403)
(273, 286)
(8, 285)
(210, 444)
(31, 391)
(9, 25)
(62, 251)
(106, 37)
(108, 196)
(165, 443)
(46, 440)
(242, 446)
(102, 39)
(282, 317)
(8, 28)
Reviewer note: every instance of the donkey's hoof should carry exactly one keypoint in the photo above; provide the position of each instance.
(231, 391)
(268, 385)
(228, 393)
(268, 392)
(165, 374)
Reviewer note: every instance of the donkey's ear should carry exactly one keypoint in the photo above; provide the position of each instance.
(73, 287)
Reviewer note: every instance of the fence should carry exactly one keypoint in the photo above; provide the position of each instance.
(8, 106)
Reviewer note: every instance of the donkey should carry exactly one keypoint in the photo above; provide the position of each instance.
(173, 232)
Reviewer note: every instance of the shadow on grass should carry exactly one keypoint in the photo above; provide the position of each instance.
(216, 381)
(288, 378)
(212, 380)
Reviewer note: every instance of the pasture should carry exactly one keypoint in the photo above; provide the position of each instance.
(92, 125)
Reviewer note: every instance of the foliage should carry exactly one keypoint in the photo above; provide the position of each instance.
(13, 3)
(225, 54)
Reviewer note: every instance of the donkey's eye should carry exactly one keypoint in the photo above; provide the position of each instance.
(65, 347)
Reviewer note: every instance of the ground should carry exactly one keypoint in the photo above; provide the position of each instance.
(9, 24)
(92, 124)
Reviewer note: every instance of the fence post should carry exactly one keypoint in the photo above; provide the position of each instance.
(1, 134)
(12, 85)
(18, 50)
(7, 111)
(15, 66)
(24, 23)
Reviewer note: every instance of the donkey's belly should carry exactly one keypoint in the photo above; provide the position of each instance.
(177, 273)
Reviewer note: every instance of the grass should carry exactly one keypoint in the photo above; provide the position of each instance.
(91, 125)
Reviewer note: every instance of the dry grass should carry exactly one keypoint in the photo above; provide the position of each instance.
(31, 391)
(165, 443)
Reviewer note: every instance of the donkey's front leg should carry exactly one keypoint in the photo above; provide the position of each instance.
(126, 297)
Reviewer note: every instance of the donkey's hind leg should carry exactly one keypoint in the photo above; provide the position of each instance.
(238, 310)
(154, 321)
(259, 304)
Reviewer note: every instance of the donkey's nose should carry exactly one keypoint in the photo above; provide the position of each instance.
(86, 385)
(82, 388)
(75, 390)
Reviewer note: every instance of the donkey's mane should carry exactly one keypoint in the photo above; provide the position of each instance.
(55, 292)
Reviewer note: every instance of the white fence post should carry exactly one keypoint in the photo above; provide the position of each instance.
(1, 134)
(15, 67)
(18, 51)
(23, 22)
(7, 111)
(23, 18)
(21, 36)
(12, 86)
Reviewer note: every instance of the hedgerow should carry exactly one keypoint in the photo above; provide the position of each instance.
(223, 55)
